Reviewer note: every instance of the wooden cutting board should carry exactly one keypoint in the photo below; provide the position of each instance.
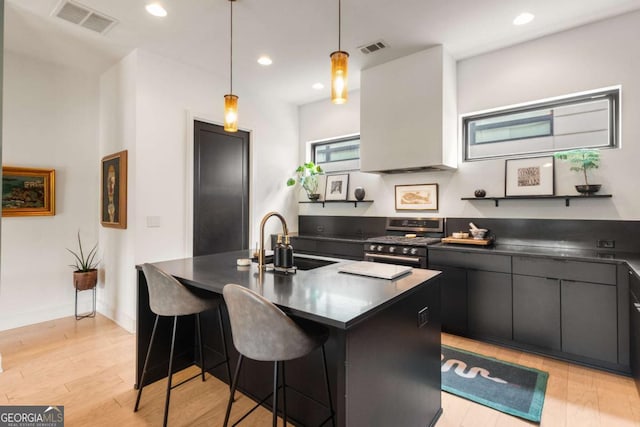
(468, 241)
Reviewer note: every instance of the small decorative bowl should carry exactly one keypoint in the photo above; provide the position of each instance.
(456, 235)
(478, 233)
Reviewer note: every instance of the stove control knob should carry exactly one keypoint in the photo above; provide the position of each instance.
(405, 250)
(392, 249)
(414, 251)
(372, 247)
(379, 248)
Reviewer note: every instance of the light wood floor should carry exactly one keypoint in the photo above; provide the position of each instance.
(88, 366)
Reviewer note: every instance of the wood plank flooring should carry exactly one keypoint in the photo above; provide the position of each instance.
(88, 366)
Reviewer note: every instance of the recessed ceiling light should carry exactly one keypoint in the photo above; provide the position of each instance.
(523, 18)
(156, 10)
(265, 60)
(318, 86)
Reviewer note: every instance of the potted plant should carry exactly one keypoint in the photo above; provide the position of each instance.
(307, 175)
(582, 160)
(85, 275)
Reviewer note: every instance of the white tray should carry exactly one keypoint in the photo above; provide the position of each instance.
(375, 269)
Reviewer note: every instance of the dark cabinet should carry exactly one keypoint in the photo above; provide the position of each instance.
(589, 320)
(489, 304)
(634, 319)
(453, 292)
(536, 311)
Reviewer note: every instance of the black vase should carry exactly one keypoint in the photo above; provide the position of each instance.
(587, 190)
(359, 193)
(480, 193)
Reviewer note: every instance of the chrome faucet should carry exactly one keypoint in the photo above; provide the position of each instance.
(285, 231)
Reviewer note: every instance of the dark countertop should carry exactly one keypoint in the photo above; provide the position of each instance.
(323, 295)
(607, 256)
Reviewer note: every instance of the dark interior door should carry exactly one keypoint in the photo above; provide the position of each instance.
(221, 190)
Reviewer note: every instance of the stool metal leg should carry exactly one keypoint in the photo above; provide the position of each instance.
(326, 380)
(146, 362)
(233, 390)
(224, 345)
(275, 394)
(284, 397)
(200, 344)
(173, 343)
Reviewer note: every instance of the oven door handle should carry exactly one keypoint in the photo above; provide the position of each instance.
(399, 258)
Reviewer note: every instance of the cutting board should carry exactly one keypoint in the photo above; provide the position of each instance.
(375, 269)
(468, 241)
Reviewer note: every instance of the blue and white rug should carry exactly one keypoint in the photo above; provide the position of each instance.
(507, 387)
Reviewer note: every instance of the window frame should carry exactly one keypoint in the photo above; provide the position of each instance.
(335, 165)
(612, 93)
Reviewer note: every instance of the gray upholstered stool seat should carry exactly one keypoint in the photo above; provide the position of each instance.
(169, 297)
(261, 331)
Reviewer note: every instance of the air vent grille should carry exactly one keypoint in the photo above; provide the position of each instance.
(84, 16)
(373, 47)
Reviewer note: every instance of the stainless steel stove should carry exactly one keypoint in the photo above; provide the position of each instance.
(406, 242)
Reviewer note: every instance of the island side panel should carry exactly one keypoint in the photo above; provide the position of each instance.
(393, 364)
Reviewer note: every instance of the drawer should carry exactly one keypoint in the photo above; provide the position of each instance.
(592, 272)
(340, 249)
(471, 260)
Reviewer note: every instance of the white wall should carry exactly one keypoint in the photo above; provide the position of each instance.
(593, 56)
(50, 120)
(148, 103)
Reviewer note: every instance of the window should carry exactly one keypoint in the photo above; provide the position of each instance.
(339, 154)
(586, 120)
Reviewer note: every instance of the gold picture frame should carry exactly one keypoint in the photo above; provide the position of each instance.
(417, 197)
(113, 190)
(28, 191)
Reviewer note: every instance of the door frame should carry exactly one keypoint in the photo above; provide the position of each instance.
(188, 222)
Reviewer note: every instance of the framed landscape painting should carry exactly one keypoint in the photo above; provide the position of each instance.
(417, 197)
(28, 191)
(113, 206)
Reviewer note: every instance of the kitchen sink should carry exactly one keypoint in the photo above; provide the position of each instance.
(304, 263)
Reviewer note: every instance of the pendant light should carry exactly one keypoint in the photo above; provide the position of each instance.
(231, 100)
(339, 67)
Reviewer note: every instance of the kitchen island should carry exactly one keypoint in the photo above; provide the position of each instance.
(383, 351)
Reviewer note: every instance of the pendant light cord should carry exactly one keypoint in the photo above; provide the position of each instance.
(231, 51)
(339, 23)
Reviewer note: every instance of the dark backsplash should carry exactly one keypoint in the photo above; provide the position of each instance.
(341, 226)
(566, 233)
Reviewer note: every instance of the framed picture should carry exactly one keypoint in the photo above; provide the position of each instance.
(529, 177)
(337, 187)
(113, 206)
(28, 191)
(417, 197)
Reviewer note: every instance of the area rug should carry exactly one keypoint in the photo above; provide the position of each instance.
(507, 387)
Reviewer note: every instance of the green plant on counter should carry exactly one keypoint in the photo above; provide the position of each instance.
(307, 176)
(84, 263)
(581, 160)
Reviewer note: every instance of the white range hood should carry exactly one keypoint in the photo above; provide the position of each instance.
(408, 114)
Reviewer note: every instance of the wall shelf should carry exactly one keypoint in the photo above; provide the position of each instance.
(566, 198)
(355, 202)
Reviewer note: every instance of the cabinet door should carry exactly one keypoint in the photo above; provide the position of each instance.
(589, 320)
(536, 311)
(634, 318)
(453, 295)
(489, 304)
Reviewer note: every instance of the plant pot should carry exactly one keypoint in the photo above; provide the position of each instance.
(313, 197)
(359, 194)
(83, 280)
(588, 189)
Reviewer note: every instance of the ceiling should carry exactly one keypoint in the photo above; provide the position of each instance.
(299, 35)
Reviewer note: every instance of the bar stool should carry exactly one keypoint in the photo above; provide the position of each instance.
(169, 297)
(261, 331)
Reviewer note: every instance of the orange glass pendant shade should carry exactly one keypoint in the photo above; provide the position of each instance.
(339, 76)
(231, 113)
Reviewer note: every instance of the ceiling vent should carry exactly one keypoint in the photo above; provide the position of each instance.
(373, 47)
(84, 16)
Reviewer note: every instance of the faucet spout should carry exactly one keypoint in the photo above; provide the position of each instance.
(285, 231)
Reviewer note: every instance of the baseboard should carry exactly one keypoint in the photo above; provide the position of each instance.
(124, 320)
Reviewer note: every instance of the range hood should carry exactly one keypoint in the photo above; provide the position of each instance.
(408, 114)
